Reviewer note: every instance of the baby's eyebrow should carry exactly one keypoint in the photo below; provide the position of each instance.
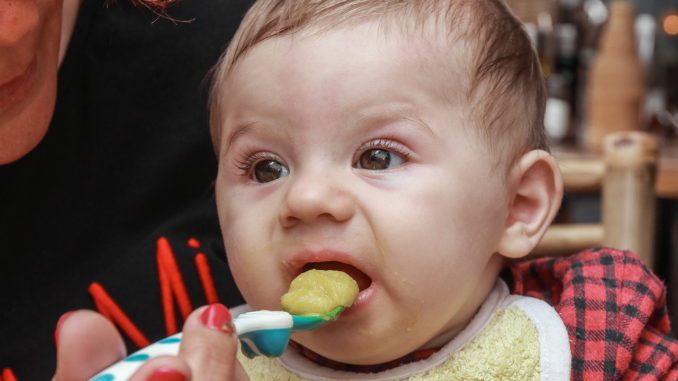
(393, 113)
(240, 130)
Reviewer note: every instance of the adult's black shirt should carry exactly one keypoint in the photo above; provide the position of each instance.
(127, 159)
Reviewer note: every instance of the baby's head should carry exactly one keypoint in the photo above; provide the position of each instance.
(399, 141)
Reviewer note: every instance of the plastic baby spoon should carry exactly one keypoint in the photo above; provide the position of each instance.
(267, 333)
(261, 332)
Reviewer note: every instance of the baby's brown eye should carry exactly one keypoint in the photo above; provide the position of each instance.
(269, 170)
(375, 159)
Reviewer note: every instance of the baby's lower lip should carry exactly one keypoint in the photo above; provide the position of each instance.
(17, 88)
(363, 299)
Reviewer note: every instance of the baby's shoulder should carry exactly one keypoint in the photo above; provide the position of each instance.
(601, 271)
(613, 307)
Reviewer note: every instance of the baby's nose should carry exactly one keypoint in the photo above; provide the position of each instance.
(313, 197)
(17, 19)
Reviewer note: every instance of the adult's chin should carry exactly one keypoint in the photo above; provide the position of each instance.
(22, 131)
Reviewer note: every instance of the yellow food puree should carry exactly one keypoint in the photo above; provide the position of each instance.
(316, 292)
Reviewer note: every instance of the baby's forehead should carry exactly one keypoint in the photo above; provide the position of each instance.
(343, 58)
(423, 48)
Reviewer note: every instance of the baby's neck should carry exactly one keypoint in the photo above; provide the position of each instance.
(440, 340)
(424, 352)
(328, 363)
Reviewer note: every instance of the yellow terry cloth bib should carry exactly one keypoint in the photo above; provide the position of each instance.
(511, 338)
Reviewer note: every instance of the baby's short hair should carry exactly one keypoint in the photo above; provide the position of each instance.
(505, 86)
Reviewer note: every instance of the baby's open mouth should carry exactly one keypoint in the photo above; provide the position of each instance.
(360, 277)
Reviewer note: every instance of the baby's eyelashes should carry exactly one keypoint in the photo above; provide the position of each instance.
(269, 170)
(374, 155)
(378, 159)
(262, 167)
(381, 154)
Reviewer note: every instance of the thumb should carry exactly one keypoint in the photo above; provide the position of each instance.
(210, 344)
(86, 343)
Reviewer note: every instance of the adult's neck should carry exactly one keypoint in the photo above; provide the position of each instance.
(68, 18)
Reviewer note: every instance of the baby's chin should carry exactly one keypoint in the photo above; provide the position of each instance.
(357, 348)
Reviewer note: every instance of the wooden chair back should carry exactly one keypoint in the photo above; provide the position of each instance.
(625, 176)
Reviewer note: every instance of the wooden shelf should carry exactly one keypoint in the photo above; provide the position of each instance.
(667, 173)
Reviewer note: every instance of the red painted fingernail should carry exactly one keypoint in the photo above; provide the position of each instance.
(217, 316)
(60, 322)
(166, 374)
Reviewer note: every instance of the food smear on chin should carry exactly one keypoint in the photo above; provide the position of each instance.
(317, 292)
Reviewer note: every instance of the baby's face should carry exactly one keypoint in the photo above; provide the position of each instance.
(342, 150)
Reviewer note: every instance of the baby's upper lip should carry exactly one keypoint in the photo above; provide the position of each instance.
(327, 259)
(304, 256)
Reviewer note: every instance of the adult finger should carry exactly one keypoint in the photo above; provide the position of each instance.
(86, 343)
(209, 345)
(163, 368)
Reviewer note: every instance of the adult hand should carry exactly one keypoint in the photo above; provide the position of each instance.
(87, 343)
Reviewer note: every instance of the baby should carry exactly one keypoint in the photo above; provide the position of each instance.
(402, 142)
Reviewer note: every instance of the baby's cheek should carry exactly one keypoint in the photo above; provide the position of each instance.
(259, 293)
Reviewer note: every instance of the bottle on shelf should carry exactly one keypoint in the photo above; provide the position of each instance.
(616, 81)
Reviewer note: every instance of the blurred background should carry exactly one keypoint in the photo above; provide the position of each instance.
(609, 65)
(567, 35)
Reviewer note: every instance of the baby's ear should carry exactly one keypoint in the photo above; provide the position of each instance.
(536, 189)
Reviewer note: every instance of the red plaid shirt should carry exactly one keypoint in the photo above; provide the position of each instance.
(614, 309)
